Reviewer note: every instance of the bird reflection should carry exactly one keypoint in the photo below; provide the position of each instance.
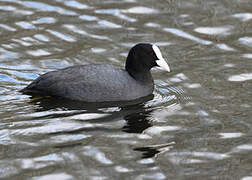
(53, 103)
(137, 122)
(147, 152)
(135, 113)
(154, 150)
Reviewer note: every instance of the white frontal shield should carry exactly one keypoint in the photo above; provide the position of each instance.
(160, 61)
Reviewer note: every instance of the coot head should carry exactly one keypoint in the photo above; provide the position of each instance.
(142, 57)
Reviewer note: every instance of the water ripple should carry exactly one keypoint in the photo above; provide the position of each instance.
(225, 47)
(4, 26)
(97, 155)
(61, 36)
(108, 24)
(62, 176)
(82, 32)
(115, 12)
(203, 106)
(243, 16)
(88, 18)
(213, 30)
(76, 4)
(5, 54)
(230, 135)
(185, 35)
(45, 20)
(38, 53)
(41, 37)
(246, 41)
(241, 77)
(46, 7)
(25, 25)
(140, 10)
(7, 8)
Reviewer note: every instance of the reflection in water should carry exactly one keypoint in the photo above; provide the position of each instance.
(136, 115)
(137, 122)
(148, 152)
(154, 150)
(51, 103)
(134, 112)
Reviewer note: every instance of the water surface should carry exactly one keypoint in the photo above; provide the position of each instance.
(196, 126)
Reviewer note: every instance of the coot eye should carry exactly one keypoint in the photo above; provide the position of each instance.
(151, 53)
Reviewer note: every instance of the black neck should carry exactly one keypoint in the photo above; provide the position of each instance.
(137, 69)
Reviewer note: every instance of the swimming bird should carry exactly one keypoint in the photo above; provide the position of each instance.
(101, 82)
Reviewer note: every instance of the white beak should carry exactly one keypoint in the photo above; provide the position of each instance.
(160, 61)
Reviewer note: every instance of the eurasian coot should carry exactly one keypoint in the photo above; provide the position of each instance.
(100, 82)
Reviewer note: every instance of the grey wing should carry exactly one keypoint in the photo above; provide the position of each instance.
(46, 84)
(79, 82)
(88, 83)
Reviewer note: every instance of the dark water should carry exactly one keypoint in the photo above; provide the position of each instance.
(197, 125)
